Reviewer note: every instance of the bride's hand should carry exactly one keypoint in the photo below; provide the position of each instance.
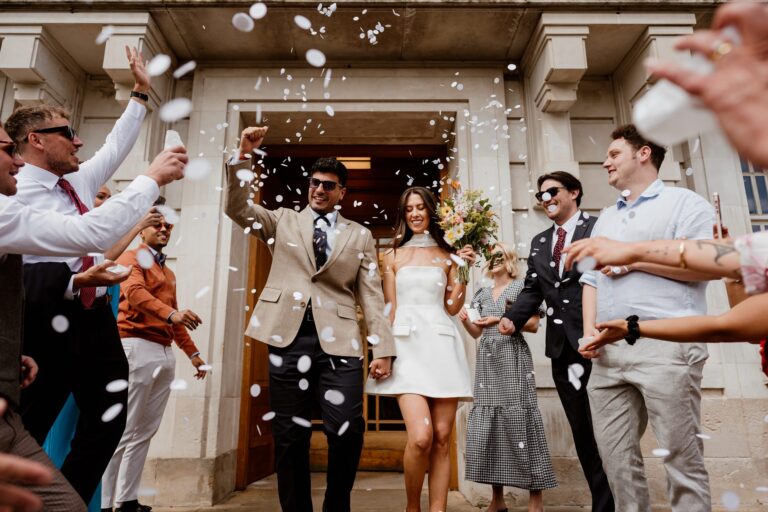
(487, 321)
(468, 254)
(380, 368)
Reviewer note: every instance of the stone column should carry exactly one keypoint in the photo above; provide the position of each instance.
(553, 64)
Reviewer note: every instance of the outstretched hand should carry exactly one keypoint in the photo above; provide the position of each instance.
(604, 250)
(141, 81)
(606, 332)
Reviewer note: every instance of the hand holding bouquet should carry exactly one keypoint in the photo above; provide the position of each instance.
(467, 219)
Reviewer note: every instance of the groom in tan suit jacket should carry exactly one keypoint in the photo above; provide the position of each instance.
(323, 266)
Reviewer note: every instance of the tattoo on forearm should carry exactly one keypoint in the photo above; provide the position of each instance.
(721, 250)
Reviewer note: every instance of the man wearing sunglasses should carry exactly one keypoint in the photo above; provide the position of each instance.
(88, 355)
(24, 229)
(323, 267)
(560, 195)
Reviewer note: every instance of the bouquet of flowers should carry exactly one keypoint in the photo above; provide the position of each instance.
(467, 219)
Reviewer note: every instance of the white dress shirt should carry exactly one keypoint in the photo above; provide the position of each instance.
(569, 226)
(330, 229)
(26, 230)
(38, 188)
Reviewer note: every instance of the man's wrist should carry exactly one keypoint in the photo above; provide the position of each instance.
(170, 317)
(194, 355)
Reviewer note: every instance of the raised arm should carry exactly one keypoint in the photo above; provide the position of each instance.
(238, 205)
(102, 165)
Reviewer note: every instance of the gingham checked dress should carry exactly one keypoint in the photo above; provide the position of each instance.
(506, 444)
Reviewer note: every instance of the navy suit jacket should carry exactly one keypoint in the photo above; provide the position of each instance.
(562, 294)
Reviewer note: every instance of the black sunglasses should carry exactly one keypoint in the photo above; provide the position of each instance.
(328, 185)
(11, 148)
(552, 191)
(66, 131)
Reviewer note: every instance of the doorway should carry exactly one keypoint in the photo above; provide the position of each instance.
(378, 175)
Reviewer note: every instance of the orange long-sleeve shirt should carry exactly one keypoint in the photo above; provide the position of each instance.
(147, 299)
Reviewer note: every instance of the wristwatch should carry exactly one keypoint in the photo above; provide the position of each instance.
(140, 95)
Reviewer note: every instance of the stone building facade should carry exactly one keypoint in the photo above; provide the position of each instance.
(438, 74)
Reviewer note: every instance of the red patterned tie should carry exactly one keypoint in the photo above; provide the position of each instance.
(558, 251)
(87, 294)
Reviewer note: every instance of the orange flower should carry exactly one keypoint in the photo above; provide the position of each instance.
(455, 184)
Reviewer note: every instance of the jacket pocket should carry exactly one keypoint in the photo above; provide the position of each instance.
(401, 330)
(444, 330)
(345, 311)
(270, 294)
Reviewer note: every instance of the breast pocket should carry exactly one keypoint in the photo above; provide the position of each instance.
(270, 294)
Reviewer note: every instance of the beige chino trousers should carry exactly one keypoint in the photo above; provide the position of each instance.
(656, 382)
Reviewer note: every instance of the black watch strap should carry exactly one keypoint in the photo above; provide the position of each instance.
(633, 329)
(140, 95)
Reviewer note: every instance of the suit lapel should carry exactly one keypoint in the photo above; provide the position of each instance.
(307, 230)
(344, 233)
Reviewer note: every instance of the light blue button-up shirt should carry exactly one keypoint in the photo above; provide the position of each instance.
(660, 213)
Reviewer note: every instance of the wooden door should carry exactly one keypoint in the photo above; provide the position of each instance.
(255, 453)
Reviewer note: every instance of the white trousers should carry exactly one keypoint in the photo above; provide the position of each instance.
(151, 369)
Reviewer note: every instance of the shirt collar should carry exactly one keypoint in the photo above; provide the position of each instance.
(40, 175)
(330, 216)
(653, 190)
(570, 224)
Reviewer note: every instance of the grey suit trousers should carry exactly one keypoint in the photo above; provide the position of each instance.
(658, 382)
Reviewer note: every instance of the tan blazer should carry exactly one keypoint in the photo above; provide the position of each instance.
(343, 282)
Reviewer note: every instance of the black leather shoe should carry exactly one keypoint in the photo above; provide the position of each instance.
(133, 506)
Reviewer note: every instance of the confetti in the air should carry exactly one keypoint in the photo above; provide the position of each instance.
(334, 396)
(176, 109)
(184, 69)
(145, 258)
(329, 110)
(105, 34)
(343, 428)
(255, 390)
(304, 364)
(302, 22)
(158, 65)
(301, 421)
(202, 292)
(197, 169)
(170, 215)
(660, 452)
(575, 371)
(117, 385)
(179, 385)
(268, 416)
(60, 323)
(258, 10)
(111, 413)
(303, 384)
(243, 22)
(586, 264)
(315, 58)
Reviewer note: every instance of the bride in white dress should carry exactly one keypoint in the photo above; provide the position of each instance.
(430, 373)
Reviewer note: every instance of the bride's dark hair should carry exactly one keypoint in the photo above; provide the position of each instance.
(403, 233)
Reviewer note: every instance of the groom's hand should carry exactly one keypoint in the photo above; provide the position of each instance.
(380, 368)
(251, 139)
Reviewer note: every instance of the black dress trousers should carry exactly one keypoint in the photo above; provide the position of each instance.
(333, 383)
(82, 360)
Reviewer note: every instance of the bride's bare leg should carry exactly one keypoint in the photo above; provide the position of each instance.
(443, 417)
(415, 409)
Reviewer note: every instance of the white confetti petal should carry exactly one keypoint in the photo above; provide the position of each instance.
(184, 69)
(60, 323)
(625, 193)
(315, 58)
(170, 215)
(145, 258)
(343, 428)
(276, 360)
(243, 22)
(521, 444)
(426, 421)
(268, 416)
(105, 34)
(202, 291)
(329, 110)
(255, 390)
(176, 109)
(197, 169)
(334, 396)
(179, 385)
(660, 452)
(302, 22)
(158, 65)
(304, 364)
(512, 67)
(301, 421)
(156, 371)
(730, 500)
(117, 385)
(245, 175)
(373, 339)
(327, 334)
(303, 384)
(258, 10)
(111, 413)
(546, 196)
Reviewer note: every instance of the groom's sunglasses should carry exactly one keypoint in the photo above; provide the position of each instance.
(328, 185)
(9, 147)
(552, 191)
(66, 131)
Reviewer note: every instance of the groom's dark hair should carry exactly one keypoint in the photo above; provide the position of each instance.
(331, 165)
